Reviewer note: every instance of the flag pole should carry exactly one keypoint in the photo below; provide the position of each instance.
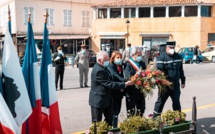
(29, 15)
(46, 16)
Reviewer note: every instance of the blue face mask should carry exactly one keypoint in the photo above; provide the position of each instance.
(139, 58)
(106, 63)
(118, 62)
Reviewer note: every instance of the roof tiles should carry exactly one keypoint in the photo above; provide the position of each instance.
(117, 3)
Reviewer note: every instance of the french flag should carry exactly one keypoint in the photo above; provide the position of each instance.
(51, 119)
(30, 71)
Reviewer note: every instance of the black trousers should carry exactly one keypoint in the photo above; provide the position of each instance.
(59, 73)
(135, 105)
(117, 102)
(98, 112)
(175, 96)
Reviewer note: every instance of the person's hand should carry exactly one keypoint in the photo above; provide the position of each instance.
(182, 85)
(129, 83)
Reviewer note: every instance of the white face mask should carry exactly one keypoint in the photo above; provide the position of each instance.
(171, 51)
(59, 51)
(108, 49)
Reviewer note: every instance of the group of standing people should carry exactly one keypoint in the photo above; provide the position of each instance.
(109, 83)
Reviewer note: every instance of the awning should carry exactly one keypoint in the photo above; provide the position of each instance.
(155, 35)
(112, 35)
(63, 37)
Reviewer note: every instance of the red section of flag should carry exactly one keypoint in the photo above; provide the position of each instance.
(51, 123)
(55, 119)
(34, 123)
(5, 130)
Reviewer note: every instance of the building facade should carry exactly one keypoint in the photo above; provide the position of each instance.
(69, 22)
(188, 22)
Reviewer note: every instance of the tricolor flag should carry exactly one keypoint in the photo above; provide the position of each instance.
(14, 87)
(51, 119)
(30, 71)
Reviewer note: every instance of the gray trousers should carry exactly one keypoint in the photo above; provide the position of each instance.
(83, 74)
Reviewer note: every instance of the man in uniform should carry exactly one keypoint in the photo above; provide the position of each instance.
(59, 59)
(171, 64)
(108, 50)
(126, 55)
(82, 59)
(145, 55)
(103, 47)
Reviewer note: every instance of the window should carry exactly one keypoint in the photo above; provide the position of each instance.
(129, 13)
(190, 49)
(50, 21)
(206, 50)
(144, 12)
(26, 10)
(175, 11)
(191, 11)
(115, 13)
(85, 18)
(67, 18)
(159, 11)
(211, 37)
(102, 13)
(206, 11)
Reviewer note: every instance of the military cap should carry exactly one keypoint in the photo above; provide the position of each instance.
(103, 45)
(107, 44)
(171, 43)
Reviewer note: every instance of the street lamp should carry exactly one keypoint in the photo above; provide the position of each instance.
(127, 24)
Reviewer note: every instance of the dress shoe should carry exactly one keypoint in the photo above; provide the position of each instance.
(85, 85)
(81, 86)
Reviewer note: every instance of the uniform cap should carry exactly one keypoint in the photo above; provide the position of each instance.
(103, 45)
(107, 44)
(170, 43)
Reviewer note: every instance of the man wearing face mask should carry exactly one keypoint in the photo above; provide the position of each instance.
(135, 100)
(171, 64)
(108, 50)
(126, 55)
(101, 86)
(145, 54)
(59, 59)
(82, 59)
(103, 47)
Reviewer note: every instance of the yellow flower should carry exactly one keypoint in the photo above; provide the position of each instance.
(149, 75)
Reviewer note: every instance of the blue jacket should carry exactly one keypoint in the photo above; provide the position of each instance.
(172, 67)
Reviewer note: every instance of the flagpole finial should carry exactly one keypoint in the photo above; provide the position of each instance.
(46, 16)
(29, 14)
(9, 17)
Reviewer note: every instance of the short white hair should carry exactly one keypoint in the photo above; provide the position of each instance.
(134, 50)
(101, 54)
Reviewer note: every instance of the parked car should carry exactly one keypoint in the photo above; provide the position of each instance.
(209, 53)
(187, 54)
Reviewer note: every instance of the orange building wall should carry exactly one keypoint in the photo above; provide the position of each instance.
(186, 31)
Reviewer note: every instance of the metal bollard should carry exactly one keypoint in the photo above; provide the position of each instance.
(194, 115)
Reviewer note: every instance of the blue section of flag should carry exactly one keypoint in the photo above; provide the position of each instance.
(27, 67)
(46, 60)
(9, 27)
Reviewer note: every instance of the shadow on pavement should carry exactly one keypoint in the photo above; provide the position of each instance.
(206, 123)
(72, 88)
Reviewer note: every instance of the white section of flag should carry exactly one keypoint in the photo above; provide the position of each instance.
(6, 117)
(37, 81)
(52, 88)
(11, 68)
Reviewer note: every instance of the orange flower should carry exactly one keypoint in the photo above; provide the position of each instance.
(149, 75)
(153, 73)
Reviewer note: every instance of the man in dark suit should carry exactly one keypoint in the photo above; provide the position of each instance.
(101, 85)
(108, 50)
(135, 100)
(58, 59)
